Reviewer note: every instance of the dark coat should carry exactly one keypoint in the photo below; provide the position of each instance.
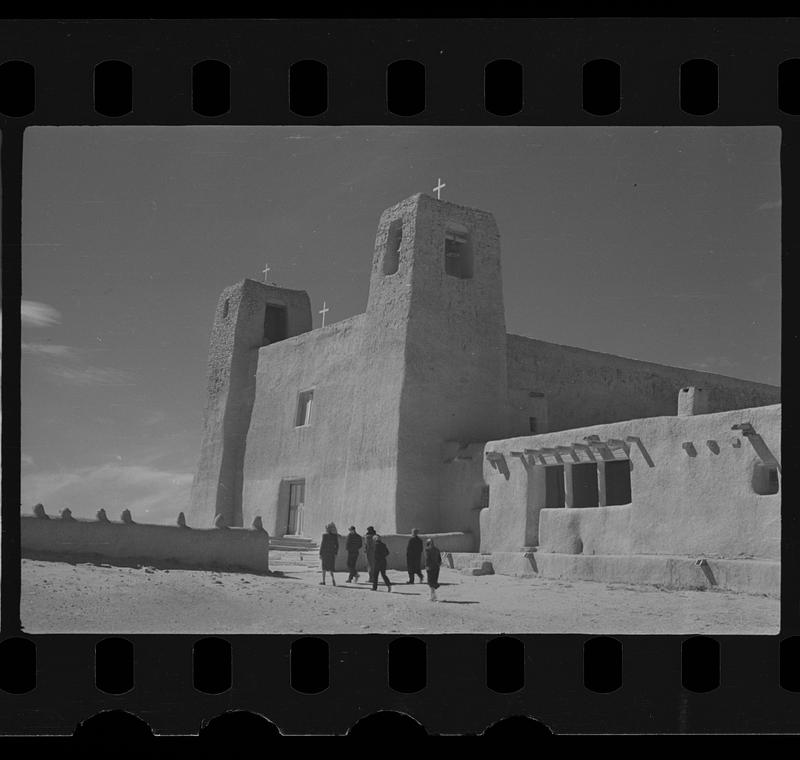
(414, 548)
(433, 557)
(329, 546)
(353, 543)
(369, 548)
(381, 552)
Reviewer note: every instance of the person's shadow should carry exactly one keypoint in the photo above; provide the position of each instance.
(455, 601)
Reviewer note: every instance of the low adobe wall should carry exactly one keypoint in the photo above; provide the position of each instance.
(397, 542)
(593, 530)
(157, 545)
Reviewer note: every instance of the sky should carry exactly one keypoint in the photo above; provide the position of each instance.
(661, 244)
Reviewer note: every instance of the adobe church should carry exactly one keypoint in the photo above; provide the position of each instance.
(383, 419)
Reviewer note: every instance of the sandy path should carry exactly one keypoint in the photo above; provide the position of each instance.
(67, 598)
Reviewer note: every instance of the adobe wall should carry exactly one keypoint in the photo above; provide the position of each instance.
(591, 388)
(158, 545)
(325, 454)
(454, 373)
(236, 335)
(691, 486)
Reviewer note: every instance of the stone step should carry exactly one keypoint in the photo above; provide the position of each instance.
(479, 567)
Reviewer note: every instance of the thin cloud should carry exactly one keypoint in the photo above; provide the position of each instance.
(90, 375)
(151, 494)
(37, 314)
(64, 364)
(49, 350)
(769, 205)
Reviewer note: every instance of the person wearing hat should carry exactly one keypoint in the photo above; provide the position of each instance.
(328, 549)
(379, 566)
(352, 545)
(414, 557)
(369, 550)
(433, 561)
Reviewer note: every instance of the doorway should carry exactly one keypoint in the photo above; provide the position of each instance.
(297, 494)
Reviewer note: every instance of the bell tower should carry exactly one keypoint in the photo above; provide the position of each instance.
(434, 346)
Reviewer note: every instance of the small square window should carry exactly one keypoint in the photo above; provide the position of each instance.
(304, 403)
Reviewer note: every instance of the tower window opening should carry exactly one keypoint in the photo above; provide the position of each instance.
(274, 324)
(457, 252)
(391, 254)
(225, 308)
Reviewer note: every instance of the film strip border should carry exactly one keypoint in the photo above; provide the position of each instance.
(317, 685)
(661, 71)
(546, 72)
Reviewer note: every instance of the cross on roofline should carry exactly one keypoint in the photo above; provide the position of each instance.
(324, 310)
(266, 271)
(439, 187)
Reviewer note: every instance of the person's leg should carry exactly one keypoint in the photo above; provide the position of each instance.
(386, 580)
(333, 579)
(322, 582)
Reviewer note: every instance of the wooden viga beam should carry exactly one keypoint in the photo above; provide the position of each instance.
(601, 446)
(532, 454)
(552, 452)
(569, 450)
(587, 448)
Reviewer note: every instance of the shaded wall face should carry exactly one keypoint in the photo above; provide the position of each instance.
(242, 323)
(461, 488)
(692, 490)
(510, 522)
(590, 388)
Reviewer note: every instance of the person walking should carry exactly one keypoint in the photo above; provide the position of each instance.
(381, 552)
(433, 561)
(414, 557)
(328, 549)
(369, 550)
(352, 545)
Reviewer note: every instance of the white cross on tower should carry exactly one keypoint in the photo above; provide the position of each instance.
(438, 188)
(324, 310)
(266, 272)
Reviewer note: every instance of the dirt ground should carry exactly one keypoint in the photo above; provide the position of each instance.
(81, 598)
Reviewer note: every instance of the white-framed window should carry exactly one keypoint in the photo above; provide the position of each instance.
(305, 402)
